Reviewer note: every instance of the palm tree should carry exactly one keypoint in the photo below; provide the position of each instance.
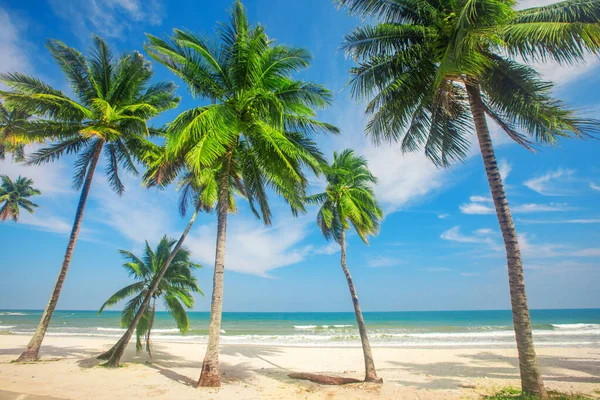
(13, 137)
(15, 195)
(434, 69)
(176, 287)
(349, 199)
(114, 99)
(254, 134)
(198, 189)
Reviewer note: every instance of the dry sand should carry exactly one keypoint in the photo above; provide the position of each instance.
(68, 370)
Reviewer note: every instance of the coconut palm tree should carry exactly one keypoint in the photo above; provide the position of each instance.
(176, 287)
(15, 195)
(13, 137)
(432, 71)
(254, 133)
(114, 99)
(349, 200)
(198, 189)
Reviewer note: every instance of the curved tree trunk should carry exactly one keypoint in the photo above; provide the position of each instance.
(370, 372)
(210, 375)
(531, 378)
(150, 327)
(116, 352)
(31, 353)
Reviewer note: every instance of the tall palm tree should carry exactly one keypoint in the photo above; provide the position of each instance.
(114, 99)
(254, 133)
(15, 195)
(349, 199)
(176, 287)
(434, 69)
(198, 189)
(13, 137)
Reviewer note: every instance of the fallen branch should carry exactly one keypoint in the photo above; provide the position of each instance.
(323, 379)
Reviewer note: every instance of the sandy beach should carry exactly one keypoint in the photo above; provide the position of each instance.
(68, 370)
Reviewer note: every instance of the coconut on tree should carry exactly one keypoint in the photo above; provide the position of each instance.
(114, 99)
(349, 201)
(255, 131)
(176, 288)
(15, 195)
(433, 71)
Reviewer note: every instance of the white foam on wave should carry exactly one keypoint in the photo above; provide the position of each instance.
(7, 326)
(305, 326)
(12, 313)
(343, 326)
(99, 328)
(576, 326)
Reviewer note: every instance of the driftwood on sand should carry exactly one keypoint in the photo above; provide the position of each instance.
(323, 379)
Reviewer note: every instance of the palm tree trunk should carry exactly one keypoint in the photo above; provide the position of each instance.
(210, 375)
(115, 354)
(370, 372)
(150, 327)
(531, 378)
(31, 353)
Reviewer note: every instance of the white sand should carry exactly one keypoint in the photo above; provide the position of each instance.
(69, 370)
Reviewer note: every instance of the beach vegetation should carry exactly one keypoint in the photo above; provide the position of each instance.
(108, 116)
(349, 201)
(13, 133)
(255, 132)
(433, 71)
(176, 288)
(16, 195)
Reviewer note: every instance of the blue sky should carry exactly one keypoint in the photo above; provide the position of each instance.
(439, 246)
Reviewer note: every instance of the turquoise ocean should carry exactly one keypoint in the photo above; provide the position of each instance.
(436, 329)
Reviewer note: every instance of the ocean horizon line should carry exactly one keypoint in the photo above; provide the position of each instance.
(318, 312)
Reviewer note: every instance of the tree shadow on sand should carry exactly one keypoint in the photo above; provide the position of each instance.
(52, 353)
(450, 375)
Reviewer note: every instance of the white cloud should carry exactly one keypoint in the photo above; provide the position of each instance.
(480, 199)
(443, 216)
(43, 221)
(482, 209)
(480, 236)
(12, 46)
(51, 179)
(594, 186)
(331, 248)
(552, 183)
(564, 221)
(535, 250)
(593, 252)
(251, 247)
(381, 261)
(108, 17)
(505, 169)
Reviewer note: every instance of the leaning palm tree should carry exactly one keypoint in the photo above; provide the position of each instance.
(434, 69)
(198, 189)
(13, 136)
(114, 99)
(254, 134)
(349, 200)
(176, 288)
(15, 195)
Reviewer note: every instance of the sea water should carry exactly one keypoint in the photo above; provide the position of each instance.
(437, 329)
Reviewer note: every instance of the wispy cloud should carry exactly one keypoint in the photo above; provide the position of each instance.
(12, 46)
(251, 247)
(470, 274)
(479, 236)
(437, 269)
(592, 252)
(110, 18)
(505, 169)
(482, 208)
(594, 186)
(330, 248)
(561, 221)
(380, 261)
(443, 216)
(552, 183)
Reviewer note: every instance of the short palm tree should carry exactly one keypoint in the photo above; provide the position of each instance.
(254, 134)
(15, 195)
(197, 189)
(434, 69)
(176, 287)
(114, 99)
(349, 200)
(13, 137)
